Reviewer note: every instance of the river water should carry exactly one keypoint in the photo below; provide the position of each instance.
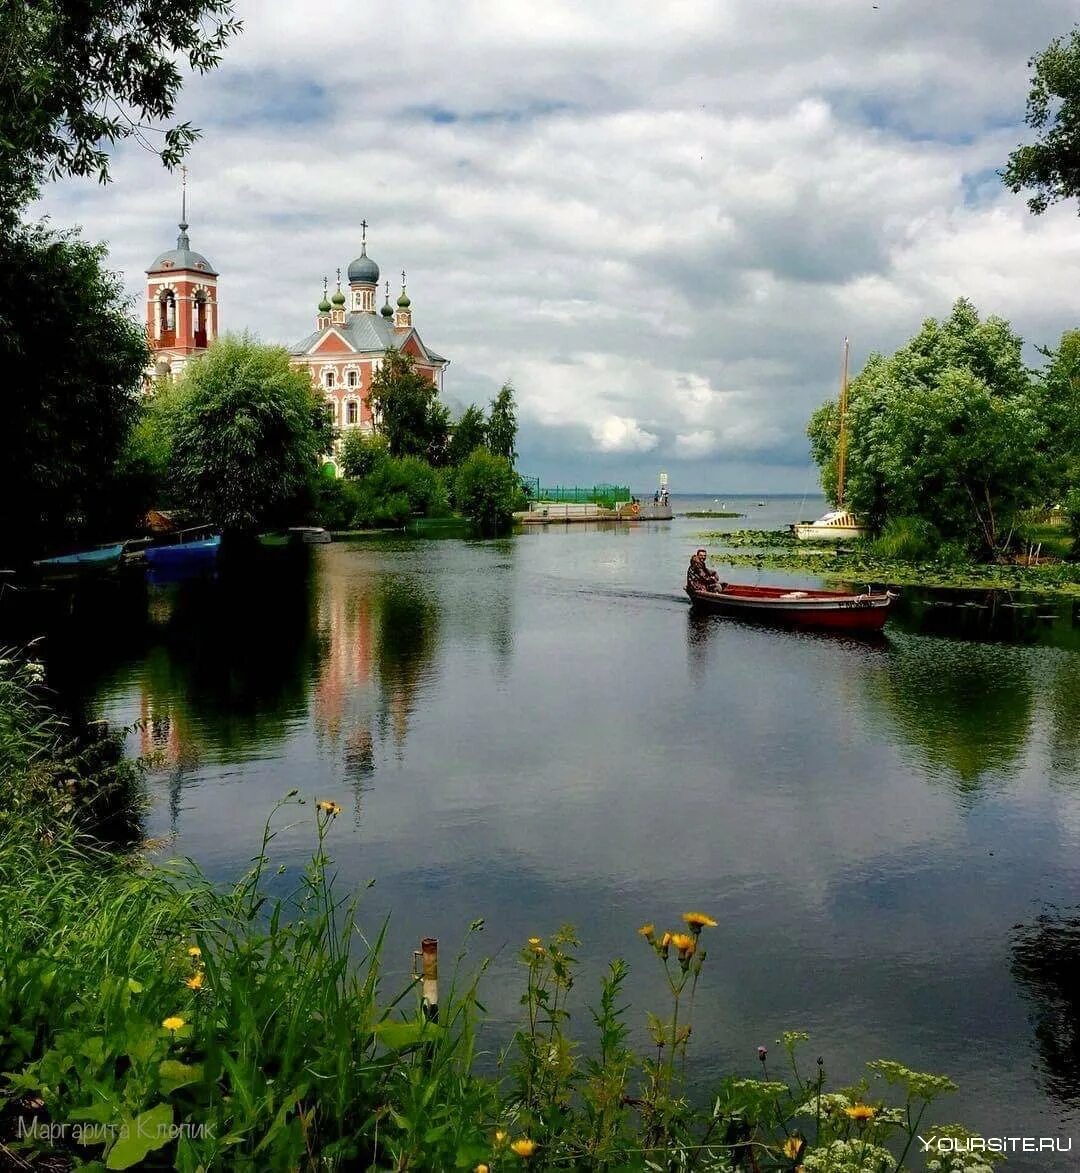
(537, 730)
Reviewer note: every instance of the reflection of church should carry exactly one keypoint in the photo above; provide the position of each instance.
(351, 336)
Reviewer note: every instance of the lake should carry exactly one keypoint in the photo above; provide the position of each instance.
(537, 730)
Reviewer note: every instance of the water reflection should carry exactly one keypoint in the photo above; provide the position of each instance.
(229, 660)
(378, 636)
(1046, 962)
(963, 709)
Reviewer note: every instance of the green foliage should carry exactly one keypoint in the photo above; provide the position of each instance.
(1072, 516)
(335, 502)
(910, 538)
(407, 409)
(397, 490)
(946, 430)
(362, 453)
(73, 362)
(48, 777)
(1056, 395)
(502, 424)
(1050, 167)
(245, 434)
(469, 433)
(487, 490)
(78, 79)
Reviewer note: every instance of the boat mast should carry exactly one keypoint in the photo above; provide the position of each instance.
(841, 448)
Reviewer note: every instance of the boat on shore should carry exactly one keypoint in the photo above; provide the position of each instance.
(841, 523)
(308, 535)
(85, 561)
(836, 526)
(188, 552)
(837, 610)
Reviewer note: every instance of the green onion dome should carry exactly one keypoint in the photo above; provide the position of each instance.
(403, 300)
(338, 298)
(324, 305)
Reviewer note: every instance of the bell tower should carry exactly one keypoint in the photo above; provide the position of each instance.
(181, 301)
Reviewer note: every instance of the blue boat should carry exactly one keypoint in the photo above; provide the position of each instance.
(103, 558)
(184, 555)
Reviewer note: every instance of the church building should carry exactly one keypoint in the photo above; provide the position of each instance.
(351, 336)
(181, 303)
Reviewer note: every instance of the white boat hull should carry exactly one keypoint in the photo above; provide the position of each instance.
(811, 532)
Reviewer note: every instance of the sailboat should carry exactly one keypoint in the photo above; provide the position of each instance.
(839, 523)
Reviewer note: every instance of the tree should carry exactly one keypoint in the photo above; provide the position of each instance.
(246, 433)
(72, 362)
(946, 430)
(361, 454)
(79, 78)
(469, 432)
(406, 406)
(502, 424)
(487, 490)
(1057, 394)
(1050, 167)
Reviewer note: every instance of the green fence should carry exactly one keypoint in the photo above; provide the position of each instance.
(578, 494)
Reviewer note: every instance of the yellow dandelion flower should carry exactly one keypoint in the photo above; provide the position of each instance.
(665, 945)
(698, 921)
(792, 1146)
(194, 951)
(524, 1147)
(173, 1022)
(685, 944)
(500, 1136)
(328, 807)
(195, 982)
(534, 941)
(861, 1112)
(648, 931)
(481, 1168)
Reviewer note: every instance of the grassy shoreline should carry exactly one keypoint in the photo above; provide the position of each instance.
(774, 550)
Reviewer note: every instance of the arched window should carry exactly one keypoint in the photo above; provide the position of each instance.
(167, 304)
(353, 411)
(200, 319)
(353, 378)
(328, 379)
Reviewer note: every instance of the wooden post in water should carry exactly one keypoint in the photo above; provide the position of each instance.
(428, 955)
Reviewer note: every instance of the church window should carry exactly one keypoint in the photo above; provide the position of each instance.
(168, 310)
(353, 411)
(328, 379)
(353, 378)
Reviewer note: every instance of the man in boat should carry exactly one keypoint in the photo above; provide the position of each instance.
(699, 577)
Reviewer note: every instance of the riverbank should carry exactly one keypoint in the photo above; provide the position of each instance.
(151, 1018)
(771, 549)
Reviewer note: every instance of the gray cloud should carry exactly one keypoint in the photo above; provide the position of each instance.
(658, 223)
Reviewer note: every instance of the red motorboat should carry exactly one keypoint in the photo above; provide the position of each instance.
(798, 608)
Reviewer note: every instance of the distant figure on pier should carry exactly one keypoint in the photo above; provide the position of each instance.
(656, 497)
(699, 577)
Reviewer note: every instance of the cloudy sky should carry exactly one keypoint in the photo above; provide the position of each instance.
(658, 221)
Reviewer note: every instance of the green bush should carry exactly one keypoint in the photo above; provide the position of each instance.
(487, 490)
(50, 778)
(335, 502)
(400, 488)
(1072, 515)
(912, 539)
(361, 454)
